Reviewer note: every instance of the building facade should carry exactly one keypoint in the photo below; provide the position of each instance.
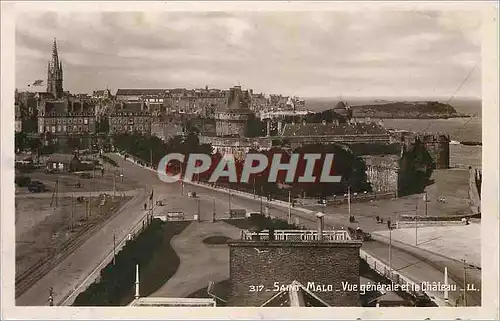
(130, 121)
(67, 124)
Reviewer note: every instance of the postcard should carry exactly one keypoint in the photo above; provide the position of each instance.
(194, 160)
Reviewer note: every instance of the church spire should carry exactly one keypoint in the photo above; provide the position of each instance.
(55, 74)
(55, 56)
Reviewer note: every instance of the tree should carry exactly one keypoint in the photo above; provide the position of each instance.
(103, 125)
(256, 128)
(74, 143)
(416, 167)
(21, 141)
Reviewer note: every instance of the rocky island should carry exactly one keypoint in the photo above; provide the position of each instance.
(407, 110)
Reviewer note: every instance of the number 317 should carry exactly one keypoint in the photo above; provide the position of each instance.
(256, 288)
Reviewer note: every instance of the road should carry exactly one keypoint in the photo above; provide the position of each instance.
(76, 194)
(421, 266)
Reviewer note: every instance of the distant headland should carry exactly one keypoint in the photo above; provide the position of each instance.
(407, 110)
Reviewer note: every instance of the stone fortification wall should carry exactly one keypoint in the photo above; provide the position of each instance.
(382, 172)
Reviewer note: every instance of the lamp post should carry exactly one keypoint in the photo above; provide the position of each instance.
(289, 207)
(390, 252)
(465, 282)
(254, 187)
(416, 224)
(213, 214)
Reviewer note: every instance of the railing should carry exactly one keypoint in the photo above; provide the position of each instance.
(397, 278)
(297, 235)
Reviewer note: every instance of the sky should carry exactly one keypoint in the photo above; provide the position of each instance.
(307, 54)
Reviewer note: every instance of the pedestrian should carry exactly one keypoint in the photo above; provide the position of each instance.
(145, 206)
(389, 224)
(378, 219)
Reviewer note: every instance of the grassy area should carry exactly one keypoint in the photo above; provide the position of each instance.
(162, 265)
(157, 261)
(216, 239)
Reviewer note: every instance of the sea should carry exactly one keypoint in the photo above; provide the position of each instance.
(459, 129)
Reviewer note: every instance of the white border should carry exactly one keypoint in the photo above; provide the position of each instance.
(490, 85)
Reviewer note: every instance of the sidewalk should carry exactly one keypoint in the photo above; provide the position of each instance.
(455, 242)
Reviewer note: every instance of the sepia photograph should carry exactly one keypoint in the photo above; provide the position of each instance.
(205, 157)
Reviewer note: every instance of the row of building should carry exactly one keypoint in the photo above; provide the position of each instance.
(225, 119)
(135, 110)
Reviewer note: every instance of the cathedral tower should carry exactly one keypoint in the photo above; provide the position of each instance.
(55, 74)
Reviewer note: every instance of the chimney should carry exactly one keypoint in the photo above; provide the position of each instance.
(320, 225)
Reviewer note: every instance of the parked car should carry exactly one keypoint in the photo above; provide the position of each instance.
(37, 188)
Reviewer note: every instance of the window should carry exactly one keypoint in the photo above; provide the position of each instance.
(40, 129)
(58, 128)
(79, 128)
(79, 120)
(70, 121)
(64, 120)
(47, 128)
(64, 128)
(85, 121)
(53, 129)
